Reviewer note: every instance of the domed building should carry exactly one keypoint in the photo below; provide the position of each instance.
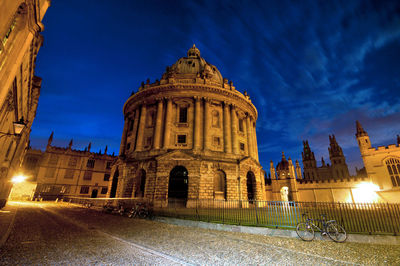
(189, 136)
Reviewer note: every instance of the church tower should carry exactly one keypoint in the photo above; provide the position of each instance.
(309, 162)
(362, 138)
(338, 161)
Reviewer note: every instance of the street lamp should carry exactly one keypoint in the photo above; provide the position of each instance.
(18, 127)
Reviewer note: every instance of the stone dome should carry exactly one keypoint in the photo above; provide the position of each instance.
(283, 164)
(193, 66)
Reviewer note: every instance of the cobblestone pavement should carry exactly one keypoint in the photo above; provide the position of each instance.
(49, 233)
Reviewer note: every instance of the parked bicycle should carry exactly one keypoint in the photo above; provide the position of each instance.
(140, 210)
(305, 230)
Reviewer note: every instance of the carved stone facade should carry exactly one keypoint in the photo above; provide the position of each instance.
(190, 135)
(20, 40)
(61, 172)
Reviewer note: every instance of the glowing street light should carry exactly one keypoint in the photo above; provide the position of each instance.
(18, 179)
(366, 192)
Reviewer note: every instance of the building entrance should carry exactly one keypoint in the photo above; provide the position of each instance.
(178, 183)
(94, 193)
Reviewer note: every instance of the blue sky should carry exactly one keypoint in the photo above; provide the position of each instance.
(312, 68)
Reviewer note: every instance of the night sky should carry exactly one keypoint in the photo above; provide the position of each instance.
(312, 68)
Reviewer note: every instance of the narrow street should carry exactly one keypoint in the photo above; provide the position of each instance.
(58, 233)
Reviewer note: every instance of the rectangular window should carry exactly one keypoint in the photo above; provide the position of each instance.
(216, 141)
(73, 161)
(181, 139)
(90, 163)
(84, 189)
(50, 172)
(64, 189)
(104, 190)
(149, 141)
(241, 125)
(53, 160)
(106, 177)
(87, 175)
(183, 115)
(69, 174)
(130, 124)
(241, 146)
(108, 165)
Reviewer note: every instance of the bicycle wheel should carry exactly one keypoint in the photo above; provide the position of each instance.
(305, 231)
(132, 213)
(336, 232)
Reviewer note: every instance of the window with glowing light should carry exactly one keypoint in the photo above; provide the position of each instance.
(84, 190)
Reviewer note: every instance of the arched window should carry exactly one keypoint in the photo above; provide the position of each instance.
(215, 118)
(220, 185)
(393, 166)
(183, 111)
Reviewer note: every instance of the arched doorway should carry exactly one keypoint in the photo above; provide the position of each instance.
(114, 184)
(285, 194)
(178, 183)
(251, 182)
(220, 185)
(140, 183)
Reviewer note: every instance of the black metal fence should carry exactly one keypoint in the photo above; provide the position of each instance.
(365, 218)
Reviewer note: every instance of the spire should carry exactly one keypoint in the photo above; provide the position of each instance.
(334, 149)
(323, 161)
(398, 140)
(105, 150)
(50, 139)
(283, 156)
(360, 131)
(70, 145)
(90, 145)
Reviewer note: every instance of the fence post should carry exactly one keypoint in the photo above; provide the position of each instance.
(255, 203)
(391, 219)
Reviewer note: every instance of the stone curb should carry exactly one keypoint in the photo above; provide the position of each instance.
(369, 239)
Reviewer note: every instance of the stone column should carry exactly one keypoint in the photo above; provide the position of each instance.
(197, 123)
(142, 123)
(157, 131)
(255, 141)
(167, 128)
(234, 124)
(227, 130)
(246, 137)
(249, 137)
(135, 127)
(124, 132)
(206, 126)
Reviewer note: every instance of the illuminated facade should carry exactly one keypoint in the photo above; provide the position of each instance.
(382, 165)
(378, 181)
(20, 40)
(61, 172)
(190, 135)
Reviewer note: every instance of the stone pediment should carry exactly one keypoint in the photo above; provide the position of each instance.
(176, 155)
(249, 160)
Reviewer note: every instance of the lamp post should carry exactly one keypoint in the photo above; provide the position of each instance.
(18, 128)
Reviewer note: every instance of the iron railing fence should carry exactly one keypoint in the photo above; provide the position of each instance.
(365, 218)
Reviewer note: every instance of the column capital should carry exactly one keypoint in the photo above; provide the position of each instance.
(197, 98)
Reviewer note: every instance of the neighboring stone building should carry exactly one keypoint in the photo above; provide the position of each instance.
(382, 165)
(190, 135)
(61, 172)
(337, 170)
(333, 183)
(20, 40)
